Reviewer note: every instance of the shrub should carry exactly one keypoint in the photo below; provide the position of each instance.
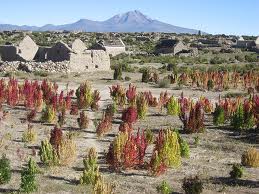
(131, 95)
(74, 110)
(237, 171)
(66, 151)
(218, 115)
(166, 153)
(56, 137)
(127, 78)
(62, 117)
(149, 136)
(48, 114)
(84, 95)
(102, 187)
(48, 155)
(210, 84)
(125, 127)
(195, 122)
(130, 115)
(28, 178)
(90, 168)
(192, 185)
(117, 73)
(164, 83)
(105, 124)
(96, 99)
(164, 188)
(142, 106)
(185, 149)
(127, 151)
(5, 170)
(83, 121)
(250, 158)
(173, 107)
(118, 94)
(146, 76)
(31, 115)
(29, 135)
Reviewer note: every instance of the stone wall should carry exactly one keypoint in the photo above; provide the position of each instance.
(113, 51)
(8, 53)
(49, 66)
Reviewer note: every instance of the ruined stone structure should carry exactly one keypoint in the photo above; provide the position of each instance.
(77, 57)
(25, 51)
(112, 47)
(174, 47)
(257, 42)
(245, 44)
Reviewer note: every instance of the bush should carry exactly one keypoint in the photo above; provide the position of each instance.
(83, 121)
(56, 137)
(127, 78)
(164, 83)
(164, 188)
(166, 153)
(28, 178)
(173, 107)
(130, 115)
(5, 170)
(250, 158)
(210, 85)
(192, 185)
(66, 152)
(127, 151)
(48, 114)
(142, 106)
(195, 122)
(185, 149)
(48, 155)
(29, 135)
(117, 73)
(90, 168)
(237, 171)
(219, 115)
(146, 76)
(84, 95)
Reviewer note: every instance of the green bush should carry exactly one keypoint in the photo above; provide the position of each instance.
(5, 170)
(237, 171)
(28, 178)
(192, 185)
(117, 73)
(164, 188)
(146, 76)
(164, 83)
(218, 115)
(210, 85)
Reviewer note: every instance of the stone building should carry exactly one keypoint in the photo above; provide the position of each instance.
(257, 42)
(113, 47)
(24, 51)
(245, 44)
(77, 56)
(170, 46)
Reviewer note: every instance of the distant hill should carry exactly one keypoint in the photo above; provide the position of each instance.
(133, 21)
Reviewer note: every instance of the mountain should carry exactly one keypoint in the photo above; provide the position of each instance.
(132, 21)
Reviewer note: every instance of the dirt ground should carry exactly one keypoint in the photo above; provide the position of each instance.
(212, 159)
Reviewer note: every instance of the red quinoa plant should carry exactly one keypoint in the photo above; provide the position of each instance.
(12, 92)
(194, 122)
(96, 99)
(83, 120)
(131, 95)
(56, 137)
(117, 92)
(166, 153)
(127, 151)
(130, 115)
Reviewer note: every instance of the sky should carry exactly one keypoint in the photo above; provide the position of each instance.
(238, 17)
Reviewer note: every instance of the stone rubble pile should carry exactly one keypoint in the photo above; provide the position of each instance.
(48, 66)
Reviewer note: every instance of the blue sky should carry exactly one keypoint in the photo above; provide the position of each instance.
(214, 16)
